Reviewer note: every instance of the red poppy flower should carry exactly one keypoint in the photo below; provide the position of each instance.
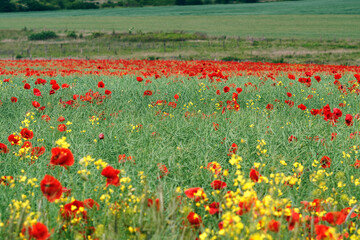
(14, 139)
(51, 92)
(139, 79)
(349, 120)
(194, 219)
(55, 87)
(321, 232)
(62, 157)
(65, 85)
(234, 96)
(157, 203)
(335, 218)
(26, 134)
(274, 226)
(6, 180)
(27, 86)
(46, 118)
(239, 90)
(333, 136)
(101, 84)
(61, 119)
(36, 104)
(176, 96)
(172, 104)
(90, 203)
(74, 209)
(292, 138)
(14, 99)
(3, 148)
(337, 112)
(108, 92)
(62, 127)
(269, 107)
(52, 82)
(254, 175)
(37, 231)
(317, 78)
(291, 76)
(290, 103)
(226, 89)
(292, 220)
(27, 144)
(213, 208)
(218, 92)
(163, 170)
(302, 107)
(111, 175)
(197, 193)
(148, 93)
(37, 151)
(51, 188)
(315, 112)
(214, 167)
(101, 136)
(337, 76)
(233, 149)
(289, 94)
(325, 162)
(216, 126)
(217, 184)
(37, 92)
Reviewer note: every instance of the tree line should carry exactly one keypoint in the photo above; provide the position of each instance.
(44, 5)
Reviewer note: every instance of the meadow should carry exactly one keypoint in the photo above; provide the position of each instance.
(321, 32)
(307, 19)
(138, 149)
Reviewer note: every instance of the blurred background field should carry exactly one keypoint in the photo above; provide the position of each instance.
(323, 31)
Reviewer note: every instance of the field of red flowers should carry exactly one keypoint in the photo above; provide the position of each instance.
(137, 149)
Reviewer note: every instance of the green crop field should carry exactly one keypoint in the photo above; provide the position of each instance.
(178, 150)
(327, 19)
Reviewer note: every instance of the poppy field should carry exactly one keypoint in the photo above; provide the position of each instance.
(140, 149)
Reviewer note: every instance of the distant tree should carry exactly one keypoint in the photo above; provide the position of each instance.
(34, 5)
(194, 2)
(180, 2)
(222, 1)
(7, 6)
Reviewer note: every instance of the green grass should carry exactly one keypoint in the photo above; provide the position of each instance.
(179, 45)
(306, 19)
(313, 7)
(183, 139)
(275, 26)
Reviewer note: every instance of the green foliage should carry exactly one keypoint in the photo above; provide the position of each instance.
(97, 34)
(71, 34)
(81, 5)
(161, 37)
(43, 5)
(7, 6)
(35, 5)
(44, 35)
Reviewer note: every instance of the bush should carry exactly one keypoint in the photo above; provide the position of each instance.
(97, 34)
(71, 34)
(44, 35)
(34, 5)
(82, 5)
(7, 6)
